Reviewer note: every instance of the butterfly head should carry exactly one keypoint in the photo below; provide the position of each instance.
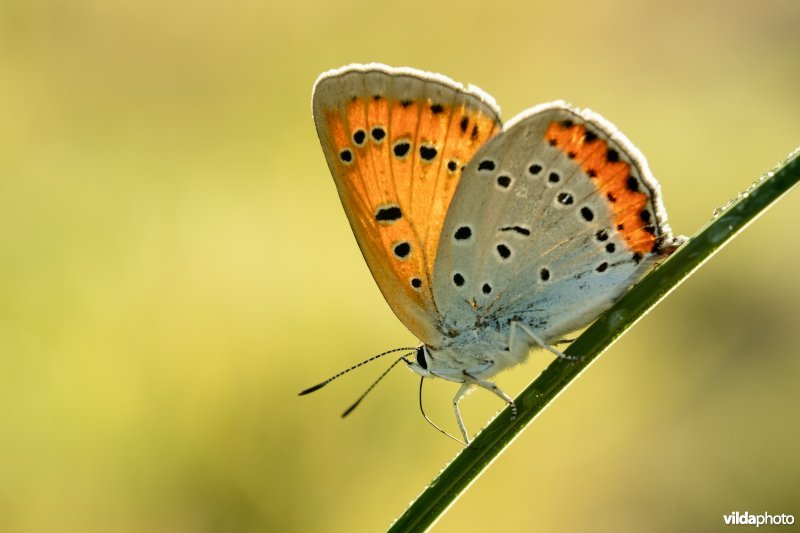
(421, 362)
(474, 353)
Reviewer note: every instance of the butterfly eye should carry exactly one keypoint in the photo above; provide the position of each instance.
(421, 357)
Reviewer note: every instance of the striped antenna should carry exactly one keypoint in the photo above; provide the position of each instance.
(343, 372)
(358, 401)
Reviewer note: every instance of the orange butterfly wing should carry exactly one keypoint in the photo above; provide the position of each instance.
(396, 141)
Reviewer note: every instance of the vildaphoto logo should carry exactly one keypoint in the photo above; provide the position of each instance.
(765, 519)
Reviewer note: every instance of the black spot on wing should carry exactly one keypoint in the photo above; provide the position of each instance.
(401, 149)
(428, 153)
(486, 164)
(378, 133)
(389, 213)
(517, 229)
(463, 233)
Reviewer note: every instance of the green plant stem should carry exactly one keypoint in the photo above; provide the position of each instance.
(489, 444)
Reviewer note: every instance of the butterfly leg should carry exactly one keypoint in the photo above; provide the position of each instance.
(462, 391)
(538, 341)
(469, 382)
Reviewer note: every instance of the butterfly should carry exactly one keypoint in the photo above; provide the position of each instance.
(486, 240)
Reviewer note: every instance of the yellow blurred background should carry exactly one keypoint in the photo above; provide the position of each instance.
(176, 265)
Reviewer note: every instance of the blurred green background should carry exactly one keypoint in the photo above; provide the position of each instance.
(176, 266)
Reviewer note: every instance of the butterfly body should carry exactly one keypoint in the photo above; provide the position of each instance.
(482, 352)
(486, 241)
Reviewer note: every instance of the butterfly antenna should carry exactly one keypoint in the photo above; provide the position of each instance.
(343, 372)
(440, 430)
(358, 401)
